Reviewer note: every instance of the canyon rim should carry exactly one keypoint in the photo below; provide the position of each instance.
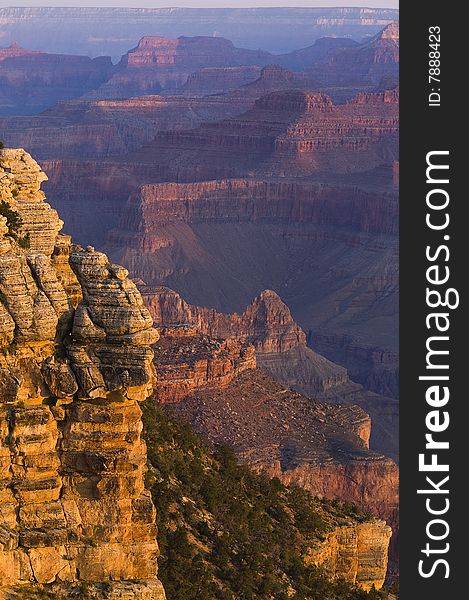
(199, 305)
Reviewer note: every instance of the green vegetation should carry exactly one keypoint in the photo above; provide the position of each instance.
(228, 534)
(14, 221)
(25, 241)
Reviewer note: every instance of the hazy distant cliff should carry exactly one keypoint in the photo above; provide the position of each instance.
(113, 30)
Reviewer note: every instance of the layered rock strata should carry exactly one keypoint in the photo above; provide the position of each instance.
(187, 360)
(75, 361)
(316, 445)
(84, 129)
(281, 350)
(358, 554)
(160, 63)
(286, 133)
(331, 251)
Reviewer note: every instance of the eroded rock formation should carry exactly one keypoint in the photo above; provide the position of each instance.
(286, 133)
(75, 360)
(188, 360)
(316, 445)
(33, 81)
(159, 63)
(282, 350)
(84, 129)
(372, 63)
(358, 553)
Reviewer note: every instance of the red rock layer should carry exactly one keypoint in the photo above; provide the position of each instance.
(304, 442)
(159, 63)
(240, 200)
(266, 323)
(186, 360)
(281, 350)
(286, 134)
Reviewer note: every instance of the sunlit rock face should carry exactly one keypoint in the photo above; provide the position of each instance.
(75, 360)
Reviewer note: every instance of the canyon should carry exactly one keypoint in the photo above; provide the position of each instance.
(271, 427)
(79, 352)
(373, 64)
(160, 63)
(324, 240)
(250, 189)
(197, 65)
(219, 244)
(267, 327)
(85, 128)
(285, 134)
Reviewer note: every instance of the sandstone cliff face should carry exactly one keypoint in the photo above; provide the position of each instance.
(75, 360)
(357, 553)
(266, 323)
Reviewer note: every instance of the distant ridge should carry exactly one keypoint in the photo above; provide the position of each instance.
(116, 30)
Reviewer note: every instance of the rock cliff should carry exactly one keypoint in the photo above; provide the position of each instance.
(286, 133)
(187, 360)
(200, 239)
(370, 63)
(75, 361)
(84, 129)
(357, 553)
(272, 428)
(282, 351)
(31, 81)
(159, 63)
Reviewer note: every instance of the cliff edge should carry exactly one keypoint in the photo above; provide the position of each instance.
(75, 360)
